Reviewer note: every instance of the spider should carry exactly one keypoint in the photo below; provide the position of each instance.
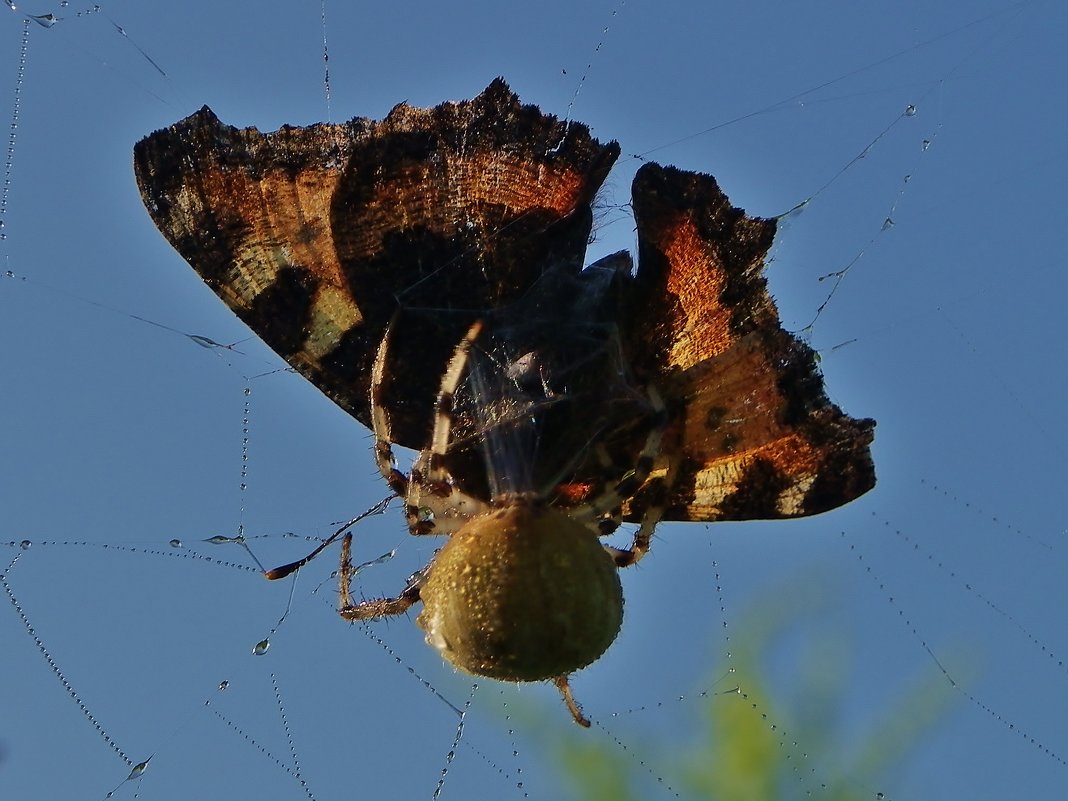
(523, 589)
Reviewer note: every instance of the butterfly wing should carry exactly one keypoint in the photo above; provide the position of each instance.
(756, 435)
(317, 236)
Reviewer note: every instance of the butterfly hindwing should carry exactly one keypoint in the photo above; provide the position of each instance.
(756, 435)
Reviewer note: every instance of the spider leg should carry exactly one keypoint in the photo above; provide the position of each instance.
(384, 458)
(607, 523)
(573, 707)
(375, 607)
(639, 547)
(284, 570)
(430, 488)
(439, 442)
(600, 511)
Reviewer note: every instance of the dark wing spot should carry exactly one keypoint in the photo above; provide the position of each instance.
(757, 495)
(280, 313)
(714, 417)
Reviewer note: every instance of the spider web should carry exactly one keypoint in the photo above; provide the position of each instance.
(123, 433)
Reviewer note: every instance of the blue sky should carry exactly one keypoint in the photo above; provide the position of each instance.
(120, 433)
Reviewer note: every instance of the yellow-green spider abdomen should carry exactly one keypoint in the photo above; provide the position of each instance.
(522, 593)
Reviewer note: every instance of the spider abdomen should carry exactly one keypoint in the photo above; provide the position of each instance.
(522, 593)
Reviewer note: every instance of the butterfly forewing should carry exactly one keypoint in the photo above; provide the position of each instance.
(317, 236)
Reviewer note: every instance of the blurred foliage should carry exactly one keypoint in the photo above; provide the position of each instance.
(753, 743)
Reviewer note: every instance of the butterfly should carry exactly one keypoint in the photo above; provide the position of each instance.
(425, 272)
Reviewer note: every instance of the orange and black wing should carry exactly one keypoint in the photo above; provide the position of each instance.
(316, 237)
(755, 435)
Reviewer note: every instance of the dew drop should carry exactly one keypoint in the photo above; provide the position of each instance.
(176, 543)
(888, 223)
(224, 684)
(880, 796)
(926, 144)
(138, 769)
(25, 544)
(204, 342)
(219, 539)
(261, 647)
(910, 110)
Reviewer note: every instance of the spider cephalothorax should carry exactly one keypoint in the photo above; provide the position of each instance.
(425, 272)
